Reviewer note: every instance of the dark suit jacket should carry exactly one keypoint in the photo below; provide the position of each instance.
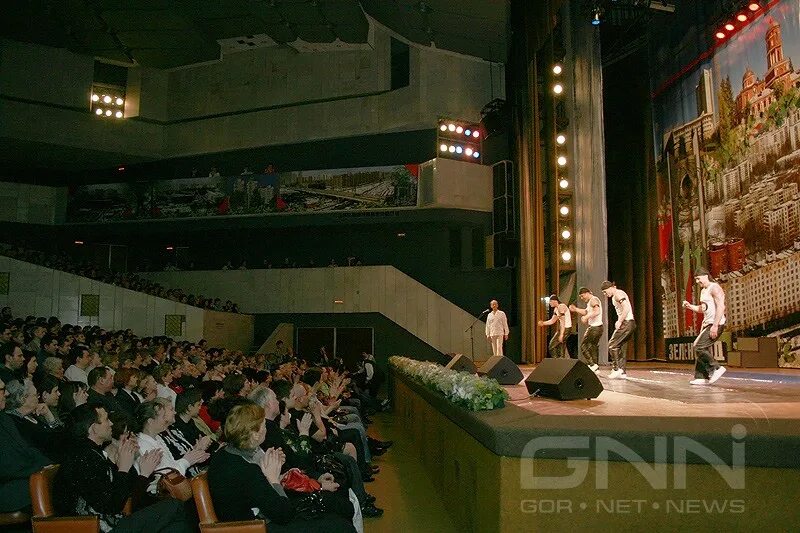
(107, 401)
(127, 401)
(18, 460)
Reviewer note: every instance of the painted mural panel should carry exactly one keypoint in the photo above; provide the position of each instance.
(728, 175)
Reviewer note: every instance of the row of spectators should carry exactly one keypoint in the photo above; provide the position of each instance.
(131, 281)
(286, 263)
(115, 410)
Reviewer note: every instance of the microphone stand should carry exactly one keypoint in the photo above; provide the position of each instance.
(472, 333)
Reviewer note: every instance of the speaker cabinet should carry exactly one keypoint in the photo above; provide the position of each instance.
(461, 363)
(502, 369)
(564, 379)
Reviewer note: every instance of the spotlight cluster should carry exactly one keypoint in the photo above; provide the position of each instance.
(459, 140)
(739, 19)
(107, 103)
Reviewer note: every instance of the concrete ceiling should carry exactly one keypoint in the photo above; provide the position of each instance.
(172, 33)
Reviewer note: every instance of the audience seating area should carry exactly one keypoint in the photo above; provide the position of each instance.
(127, 280)
(91, 421)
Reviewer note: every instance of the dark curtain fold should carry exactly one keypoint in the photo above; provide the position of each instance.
(633, 255)
(531, 23)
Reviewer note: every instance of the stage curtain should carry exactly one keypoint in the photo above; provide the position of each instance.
(634, 248)
(531, 23)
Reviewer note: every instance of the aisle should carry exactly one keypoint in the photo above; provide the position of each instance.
(403, 488)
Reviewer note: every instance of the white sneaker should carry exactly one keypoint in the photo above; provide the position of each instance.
(716, 375)
(595, 368)
(699, 381)
(622, 375)
(614, 374)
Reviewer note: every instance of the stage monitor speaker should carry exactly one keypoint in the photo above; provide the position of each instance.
(461, 363)
(564, 379)
(501, 368)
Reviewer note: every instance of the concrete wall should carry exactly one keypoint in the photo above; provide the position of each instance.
(310, 96)
(368, 289)
(32, 204)
(39, 291)
(229, 330)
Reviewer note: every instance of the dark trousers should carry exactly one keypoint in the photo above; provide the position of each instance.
(557, 348)
(705, 363)
(617, 351)
(164, 516)
(589, 344)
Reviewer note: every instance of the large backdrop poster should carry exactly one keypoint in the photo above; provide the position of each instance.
(247, 194)
(728, 161)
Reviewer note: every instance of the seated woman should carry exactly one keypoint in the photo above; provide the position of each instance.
(47, 387)
(37, 425)
(242, 463)
(72, 394)
(153, 418)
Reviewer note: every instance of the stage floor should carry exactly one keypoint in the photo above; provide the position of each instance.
(664, 390)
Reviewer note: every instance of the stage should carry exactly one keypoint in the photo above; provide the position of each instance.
(651, 452)
(663, 390)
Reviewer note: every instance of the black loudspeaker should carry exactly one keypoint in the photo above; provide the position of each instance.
(502, 369)
(564, 379)
(461, 363)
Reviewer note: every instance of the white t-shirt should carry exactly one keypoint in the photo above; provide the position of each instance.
(564, 316)
(619, 297)
(709, 307)
(594, 302)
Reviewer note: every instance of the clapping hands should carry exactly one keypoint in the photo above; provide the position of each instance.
(271, 464)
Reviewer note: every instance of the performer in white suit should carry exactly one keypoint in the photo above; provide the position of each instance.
(496, 328)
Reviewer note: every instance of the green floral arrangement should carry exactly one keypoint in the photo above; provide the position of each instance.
(460, 388)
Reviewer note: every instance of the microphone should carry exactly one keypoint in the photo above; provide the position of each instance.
(486, 311)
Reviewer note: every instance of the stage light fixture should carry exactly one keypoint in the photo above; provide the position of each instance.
(563, 183)
(562, 161)
(558, 88)
(98, 111)
(741, 17)
(443, 148)
(452, 149)
(564, 210)
(566, 256)
(78, 242)
(598, 15)
(468, 151)
(467, 132)
(476, 134)
(108, 112)
(443, 127)
(95, 98)
(118, 114)
(566, 234)
(106, 99)
(729, 27)
(459, 129)
(451, 127)
(561, 139)
(720, 35)
(119, 101)
(557, 69)
(459, 149)
(476, 155)
(754, 6)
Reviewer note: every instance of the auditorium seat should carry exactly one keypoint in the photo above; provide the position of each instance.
(208, 517)
(43, 519)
